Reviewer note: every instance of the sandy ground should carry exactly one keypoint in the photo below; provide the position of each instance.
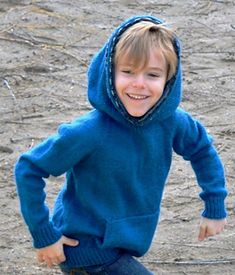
(45, 49)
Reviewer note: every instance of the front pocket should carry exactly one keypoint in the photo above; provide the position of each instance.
(133, 234)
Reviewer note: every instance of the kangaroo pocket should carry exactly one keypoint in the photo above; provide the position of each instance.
(133, 234)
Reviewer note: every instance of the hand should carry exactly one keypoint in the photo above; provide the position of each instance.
(54, 254)
(209, 227)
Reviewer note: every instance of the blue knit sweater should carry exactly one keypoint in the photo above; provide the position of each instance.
(116, 167)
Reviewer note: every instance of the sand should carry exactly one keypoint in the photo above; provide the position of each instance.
(45, 50)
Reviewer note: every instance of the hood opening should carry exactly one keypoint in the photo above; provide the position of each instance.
(101, 90)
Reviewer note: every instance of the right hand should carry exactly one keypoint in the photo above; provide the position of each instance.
(54, 254)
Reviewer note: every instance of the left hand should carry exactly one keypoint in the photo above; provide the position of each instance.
(54, 254)
(209, 227)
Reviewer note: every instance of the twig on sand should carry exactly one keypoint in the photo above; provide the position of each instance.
(192, 262)
(221, 148)
(32, 116)
(219, 125)
(17, 41)
(195, 245)
(31, 42)
(16, 122)
(9, 89)
(214, 108)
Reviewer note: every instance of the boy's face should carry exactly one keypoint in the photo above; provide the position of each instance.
(139, 90)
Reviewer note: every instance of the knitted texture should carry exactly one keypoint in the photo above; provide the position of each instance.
(116, 167)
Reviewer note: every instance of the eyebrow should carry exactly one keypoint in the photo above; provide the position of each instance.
(155, 69)
(131, 65)
(128, 65)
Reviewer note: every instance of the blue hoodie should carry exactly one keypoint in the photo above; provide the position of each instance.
(116, 167)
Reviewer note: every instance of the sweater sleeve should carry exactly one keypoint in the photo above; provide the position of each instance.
(193, 143)
(54, 156)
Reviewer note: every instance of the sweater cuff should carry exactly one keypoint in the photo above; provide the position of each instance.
(45, 236)
(214, 209)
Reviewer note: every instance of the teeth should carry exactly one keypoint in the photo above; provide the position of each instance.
(139, 97)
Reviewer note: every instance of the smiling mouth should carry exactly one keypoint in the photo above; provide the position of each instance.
(137, 97)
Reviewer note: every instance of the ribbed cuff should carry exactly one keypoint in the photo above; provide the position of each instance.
(79, 256)
(214, 209)
(45, 236)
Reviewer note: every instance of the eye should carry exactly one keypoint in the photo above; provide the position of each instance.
(126, 71)
(153, 75)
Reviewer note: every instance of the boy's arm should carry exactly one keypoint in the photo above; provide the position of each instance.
(54, 156)
(195, 145)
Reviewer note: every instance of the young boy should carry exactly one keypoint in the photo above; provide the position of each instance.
(117, 158)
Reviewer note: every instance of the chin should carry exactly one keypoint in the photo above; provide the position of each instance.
(136, 114)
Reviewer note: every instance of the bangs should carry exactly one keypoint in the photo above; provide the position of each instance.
(136, 42)
(134, 46)
(135, 53)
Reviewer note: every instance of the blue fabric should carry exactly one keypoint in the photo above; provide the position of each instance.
(116, 167)
(125, 265)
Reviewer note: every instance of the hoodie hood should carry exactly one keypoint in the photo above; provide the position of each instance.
(101, 89)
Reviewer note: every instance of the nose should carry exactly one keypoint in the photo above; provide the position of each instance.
(139, 81)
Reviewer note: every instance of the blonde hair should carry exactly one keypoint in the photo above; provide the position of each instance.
(137, 41)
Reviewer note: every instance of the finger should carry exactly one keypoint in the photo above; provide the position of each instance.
(61, 258)
(210, 232)
(70, 242)
(56, 261)
(202, 233)
(40, 258)
(49, 262)
(223, 226)
(219, 230)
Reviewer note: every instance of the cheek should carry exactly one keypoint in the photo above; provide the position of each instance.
(120, 84)
(159, 87)
(117, 87)
(158, 91)
(117, 80)
(162, 84)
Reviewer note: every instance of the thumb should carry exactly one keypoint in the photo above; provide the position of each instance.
(202, 233)
(70, 242)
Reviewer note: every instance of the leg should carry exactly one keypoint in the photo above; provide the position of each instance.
(127, 265)
(75, 271)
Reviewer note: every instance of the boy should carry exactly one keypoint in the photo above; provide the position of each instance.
(117, 158)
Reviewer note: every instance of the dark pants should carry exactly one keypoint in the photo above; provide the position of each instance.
(125, 265)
